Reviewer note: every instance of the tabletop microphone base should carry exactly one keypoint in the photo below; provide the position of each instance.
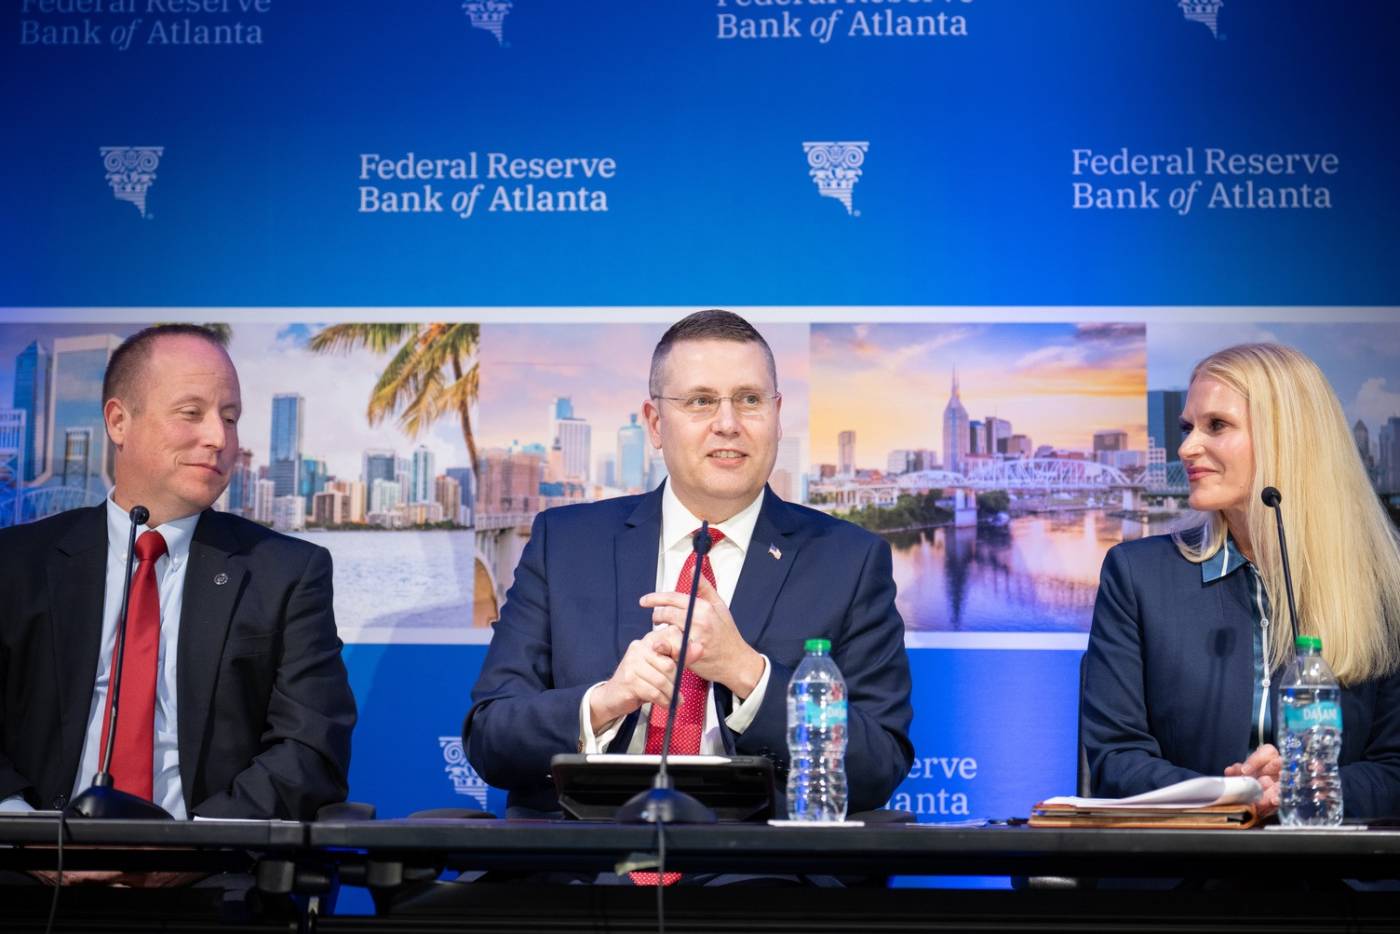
(663, 805)
(107, 803)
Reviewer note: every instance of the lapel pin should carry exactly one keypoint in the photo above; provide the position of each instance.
(773, 550)
(220, 579)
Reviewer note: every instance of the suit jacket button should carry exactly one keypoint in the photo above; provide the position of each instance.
(60, 801)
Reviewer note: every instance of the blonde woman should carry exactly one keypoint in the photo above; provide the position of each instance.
(1191, 631)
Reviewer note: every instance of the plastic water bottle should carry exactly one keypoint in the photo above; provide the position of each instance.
(816, 716)
(1310, 739)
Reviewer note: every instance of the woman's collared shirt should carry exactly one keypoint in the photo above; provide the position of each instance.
(1230, 560)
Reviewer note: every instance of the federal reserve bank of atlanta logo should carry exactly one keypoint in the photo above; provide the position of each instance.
(464, 779)
(1205, 12)
(836, 167)
(488, 15)
(130, 171)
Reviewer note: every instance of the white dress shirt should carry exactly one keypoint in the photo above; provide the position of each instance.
(166, 787)
(726, 560)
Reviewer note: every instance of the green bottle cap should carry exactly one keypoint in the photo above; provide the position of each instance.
(1309, 642)
(818, 645)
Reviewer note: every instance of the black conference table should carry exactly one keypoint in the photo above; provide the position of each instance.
(1067, 879)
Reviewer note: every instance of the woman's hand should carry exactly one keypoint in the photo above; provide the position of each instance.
(1263, 764)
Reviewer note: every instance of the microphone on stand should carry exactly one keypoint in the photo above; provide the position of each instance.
(102, 799)
(1272, 497)
(662, 804)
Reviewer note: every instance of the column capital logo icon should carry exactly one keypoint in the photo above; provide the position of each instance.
(835, 167)
(488, 15)
(1205, 12)
(131, 170)
(464, 779)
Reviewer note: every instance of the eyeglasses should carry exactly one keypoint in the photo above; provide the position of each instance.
(702, 405)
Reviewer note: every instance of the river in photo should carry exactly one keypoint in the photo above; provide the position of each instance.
(1037, 573)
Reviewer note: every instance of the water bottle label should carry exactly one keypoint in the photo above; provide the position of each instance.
(1321, 713)
(832, 714)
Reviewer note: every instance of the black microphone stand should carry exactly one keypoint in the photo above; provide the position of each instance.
(102, 799)
(1272, 497)
(662, 803)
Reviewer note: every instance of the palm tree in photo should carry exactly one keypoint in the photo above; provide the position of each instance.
(433, 372)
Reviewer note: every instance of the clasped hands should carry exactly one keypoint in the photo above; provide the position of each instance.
(647, 672)
(1263, 764)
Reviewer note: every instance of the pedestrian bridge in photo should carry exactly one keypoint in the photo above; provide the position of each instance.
(1041, 474)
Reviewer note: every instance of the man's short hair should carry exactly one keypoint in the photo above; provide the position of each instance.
(124, 369)
(713, 324)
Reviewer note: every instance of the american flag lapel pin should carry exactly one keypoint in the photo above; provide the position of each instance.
(773, 550)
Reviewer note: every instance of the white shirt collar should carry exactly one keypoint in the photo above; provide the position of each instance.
(678, 523)
(177, 533)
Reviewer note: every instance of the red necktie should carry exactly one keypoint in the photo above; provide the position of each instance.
(134, 752)
(690, 716)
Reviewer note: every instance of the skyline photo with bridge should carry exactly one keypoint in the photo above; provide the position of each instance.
(1000, 460)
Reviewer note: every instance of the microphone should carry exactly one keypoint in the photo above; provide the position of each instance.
(1272, 497)
(102, 799)
(662, 804)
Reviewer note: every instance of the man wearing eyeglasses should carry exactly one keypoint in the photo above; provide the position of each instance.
(584, 654)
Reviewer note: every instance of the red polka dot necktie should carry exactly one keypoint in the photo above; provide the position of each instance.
(690, 717)
(695, 695)
(134, 753)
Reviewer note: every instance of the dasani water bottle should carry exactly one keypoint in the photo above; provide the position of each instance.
(816, 717)
(1309, 729)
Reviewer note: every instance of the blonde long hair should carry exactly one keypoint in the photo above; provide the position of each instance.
(1344, 549)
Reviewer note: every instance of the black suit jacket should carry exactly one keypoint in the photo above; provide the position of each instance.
(264, 707)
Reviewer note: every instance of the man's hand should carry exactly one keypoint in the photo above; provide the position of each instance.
(726, 659)
(645, 675)
(1263, 764)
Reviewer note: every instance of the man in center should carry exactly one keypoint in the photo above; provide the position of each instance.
(583, 656)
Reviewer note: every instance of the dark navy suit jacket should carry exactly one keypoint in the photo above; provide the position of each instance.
(1168, 684)
(573, 610)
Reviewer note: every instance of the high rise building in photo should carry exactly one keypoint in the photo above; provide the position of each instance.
(31, 396)
(288, 424)
(656, 468)
(355, 502)
(1164, 407)
(786, 479)
(1389, 467)
(976, 438)
(447, 492)
(421, 485)
(509, 481)
(575, 438)
(632, 456)
(330, 507)
(606, 469)
(240, 483)
(77, 463)
(79, 453)
(996, 431)
(846, 459)
(1110, 439)
(384, 496)
(955, 430)
(1362, 435)
(288, 513)
(264, 497)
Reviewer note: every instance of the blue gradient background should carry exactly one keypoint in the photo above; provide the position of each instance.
(965, 197)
